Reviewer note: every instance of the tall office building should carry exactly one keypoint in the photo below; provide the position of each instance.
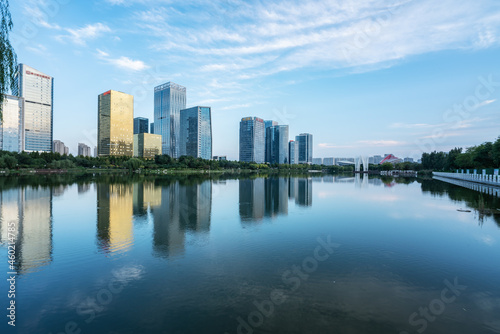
(268, 124)
(169, 100)
(152, 128)
(115, 124)
(141, 125)
(37, 90)
(252, 139)
(293, 152)
(277, 150)
(147, 145)
(59, 147)
(84, 150)
(11, 126)
(305, 148)
(196, 132)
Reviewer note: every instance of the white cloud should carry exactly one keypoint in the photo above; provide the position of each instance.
(82, 35)
(122, 62)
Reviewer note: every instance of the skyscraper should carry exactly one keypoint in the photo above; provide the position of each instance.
(305, 148)
(277, 150)
(141, 125)
(37, 90)
(268, 124)
(147, 145)
(293, 152)
(169, 100)
(115, 124)
(252, 139)
(196, 132)
(152, 128)
(11, 126)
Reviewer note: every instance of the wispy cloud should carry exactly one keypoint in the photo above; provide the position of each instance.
(82, 35)
(122, 62)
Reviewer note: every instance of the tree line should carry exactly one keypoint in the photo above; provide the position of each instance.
(483, 156)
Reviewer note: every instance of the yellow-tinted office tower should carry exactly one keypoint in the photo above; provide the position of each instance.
(115, 124)
(147, 145)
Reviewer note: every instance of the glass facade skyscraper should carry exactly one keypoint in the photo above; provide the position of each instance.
(305, 148)
(196, 132)
(115, 124)
(252, 140)
(147, 145)
(11, 126)
(152, 128)
(37, 90)
(141, 125)
(169, 100)
(293, 157)
(277, 150)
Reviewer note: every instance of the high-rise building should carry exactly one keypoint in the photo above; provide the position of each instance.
(147, 145)
(252, 139)
(277, 150)
(152, 128)
(84, 150)
(11, 126)
(268, 124)
(115, 124)
(37, 90)
(196, 132)
(293, 152)
(59, 147)
(305, 148)
(169, 100)
(377, 159)
(141, 125)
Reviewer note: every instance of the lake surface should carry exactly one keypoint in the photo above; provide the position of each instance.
(258, 255)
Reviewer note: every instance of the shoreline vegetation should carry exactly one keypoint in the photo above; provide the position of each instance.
(47, 163)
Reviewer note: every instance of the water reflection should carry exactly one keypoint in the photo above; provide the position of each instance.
(268, 197)
(183, 207)
(29, 211)
(114, 217)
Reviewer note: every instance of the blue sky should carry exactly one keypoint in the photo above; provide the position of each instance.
(364, 77)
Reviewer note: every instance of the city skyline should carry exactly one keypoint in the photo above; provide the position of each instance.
(358, 76)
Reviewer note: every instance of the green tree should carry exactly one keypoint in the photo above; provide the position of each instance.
(451, 162)
(496, 152)
(387, 166)
(133, 164)
(8, 62)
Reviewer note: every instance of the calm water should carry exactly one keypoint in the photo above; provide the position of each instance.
(262, 255)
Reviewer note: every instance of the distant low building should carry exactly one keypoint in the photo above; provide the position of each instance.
(328, 161)
(147, 145)
(391, 159)
(317, 161)
(59, 147)
(408, 160)
(219, 158)
(84, 150)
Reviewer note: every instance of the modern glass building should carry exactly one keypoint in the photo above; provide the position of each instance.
(115, 124)
(169, 100)
(147, 145)
(305, 148)
(277, 149)
(252, 140)
(293, 152)
(152, 128)
(141, 125)
(268, 124)
(11, 126)
(37, 90)
(196, 132)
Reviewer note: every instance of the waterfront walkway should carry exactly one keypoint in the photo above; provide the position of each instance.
(488, 184)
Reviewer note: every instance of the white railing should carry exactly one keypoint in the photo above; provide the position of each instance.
(493, 180)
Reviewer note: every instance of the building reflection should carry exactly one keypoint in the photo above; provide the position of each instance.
(114, 216)
(183, 208)
(146, 195)
(269, 197)
(29, 211)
